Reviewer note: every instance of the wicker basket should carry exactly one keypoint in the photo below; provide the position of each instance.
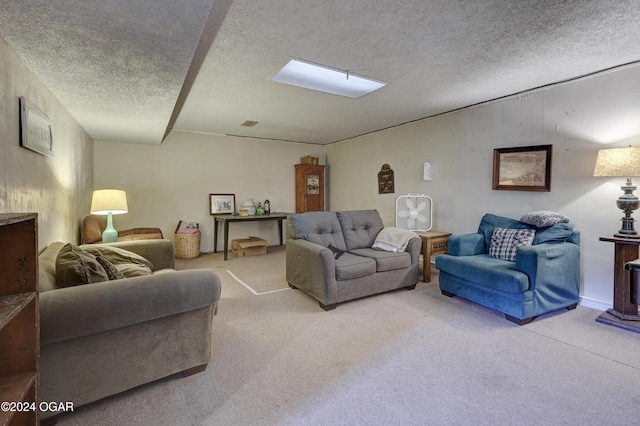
(308, 159)
(187, 245)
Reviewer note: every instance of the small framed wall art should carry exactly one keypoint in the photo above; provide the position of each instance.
(222, 203)
(35, 129)
(526, 168)
(313, 184)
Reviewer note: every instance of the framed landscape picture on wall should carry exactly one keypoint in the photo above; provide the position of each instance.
(526, 168)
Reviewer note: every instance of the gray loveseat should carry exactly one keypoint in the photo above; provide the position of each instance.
(102, 338)
(313, 239)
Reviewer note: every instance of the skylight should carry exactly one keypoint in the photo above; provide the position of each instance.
(324, 79)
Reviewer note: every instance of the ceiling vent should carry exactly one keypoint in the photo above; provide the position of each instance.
(249, 123)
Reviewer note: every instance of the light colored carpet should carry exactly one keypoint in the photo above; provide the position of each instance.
(405, 357)
(260, 274)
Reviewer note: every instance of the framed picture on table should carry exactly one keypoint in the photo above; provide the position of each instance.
(222, 203)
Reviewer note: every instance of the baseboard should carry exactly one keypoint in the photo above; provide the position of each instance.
(597, 304)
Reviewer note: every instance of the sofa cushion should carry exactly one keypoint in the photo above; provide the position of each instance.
(386, 260)
(321, 228)
(75, 266)
(350, 266)
(360, 227)
(117, 255)
(558, 233)
(112, 272)
(485, 271)
(133, 270)
(505, 242)
(47, 266)
(128, 263)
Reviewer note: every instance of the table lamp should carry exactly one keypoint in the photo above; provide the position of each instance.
(622, 162)
(109, 202)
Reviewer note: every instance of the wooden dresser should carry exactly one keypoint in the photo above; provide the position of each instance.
(19, 319)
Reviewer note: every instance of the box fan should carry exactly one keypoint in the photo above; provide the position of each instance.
(414, 212)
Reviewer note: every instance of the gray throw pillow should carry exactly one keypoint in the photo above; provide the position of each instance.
(544, 218)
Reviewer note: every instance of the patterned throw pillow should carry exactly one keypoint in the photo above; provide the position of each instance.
(505, 242)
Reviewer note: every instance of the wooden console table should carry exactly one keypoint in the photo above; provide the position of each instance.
(226, 219)
(624, 313)
(433, 242)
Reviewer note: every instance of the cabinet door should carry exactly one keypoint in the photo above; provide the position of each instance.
(19, 317)
(18, 262)
(309, 188)
(315, 194)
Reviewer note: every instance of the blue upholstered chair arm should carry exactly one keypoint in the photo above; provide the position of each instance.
(555, 266)
(466, 245)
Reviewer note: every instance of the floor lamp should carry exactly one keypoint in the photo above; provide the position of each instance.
(622, 162)
(109, 202)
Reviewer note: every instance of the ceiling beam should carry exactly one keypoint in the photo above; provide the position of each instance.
(212, 25)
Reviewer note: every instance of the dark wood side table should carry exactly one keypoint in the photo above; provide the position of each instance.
(226, 219)
(433, 242)
(624, 313)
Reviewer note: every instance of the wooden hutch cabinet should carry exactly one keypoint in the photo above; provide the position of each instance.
(19, 319)
(309, 188)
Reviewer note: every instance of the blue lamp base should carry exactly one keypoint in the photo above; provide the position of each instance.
(110, 235)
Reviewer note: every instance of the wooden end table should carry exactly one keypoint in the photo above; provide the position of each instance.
(625, 312)
(433, 242)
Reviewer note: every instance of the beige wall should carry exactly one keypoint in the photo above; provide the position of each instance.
(576, 118)
(58, 188)
(169, 182)
(172, 181)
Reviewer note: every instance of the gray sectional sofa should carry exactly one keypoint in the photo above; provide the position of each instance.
(330, 257)
(106, 336)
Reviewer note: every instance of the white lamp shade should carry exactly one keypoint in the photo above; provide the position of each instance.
(107, 201)
(618, 162)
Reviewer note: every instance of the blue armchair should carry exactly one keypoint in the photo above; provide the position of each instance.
(543, 277)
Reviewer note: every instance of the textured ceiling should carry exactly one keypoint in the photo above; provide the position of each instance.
(130, 70)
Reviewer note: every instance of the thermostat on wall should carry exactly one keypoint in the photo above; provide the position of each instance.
(428, 171)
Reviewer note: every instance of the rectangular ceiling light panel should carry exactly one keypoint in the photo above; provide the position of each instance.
(324, 79)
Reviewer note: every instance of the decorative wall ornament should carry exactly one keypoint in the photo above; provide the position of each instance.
(385, 180)
(35, 129)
